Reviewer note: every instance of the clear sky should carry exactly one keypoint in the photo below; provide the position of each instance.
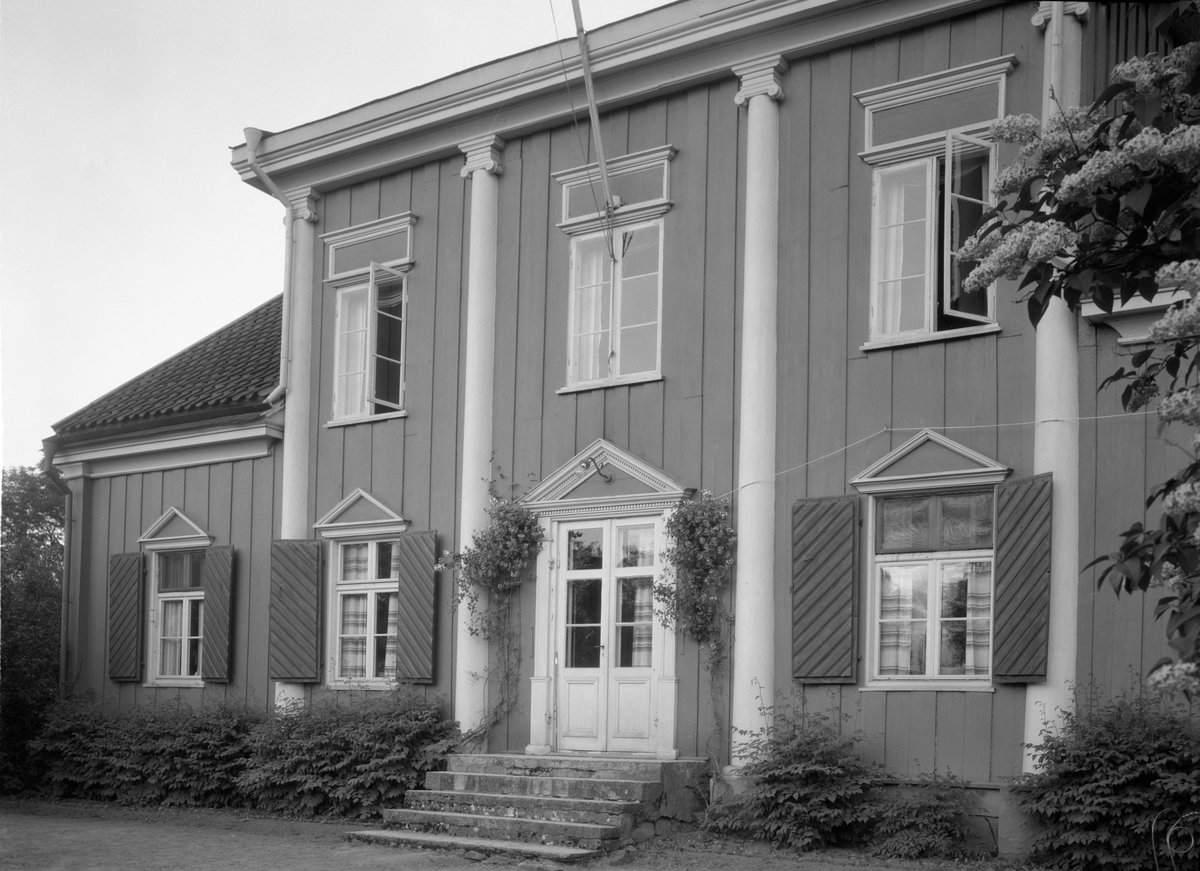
(125, 235)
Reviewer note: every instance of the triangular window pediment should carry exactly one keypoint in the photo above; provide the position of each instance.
(360, 513)
(604, 478)
(929, 459)
(174, 527)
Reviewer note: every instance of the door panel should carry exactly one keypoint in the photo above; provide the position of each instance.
(607, 635)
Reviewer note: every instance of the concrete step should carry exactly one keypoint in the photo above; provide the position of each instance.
(602, 767)
(585, 836)
(623, 814)
(557, 787)
(396, 838)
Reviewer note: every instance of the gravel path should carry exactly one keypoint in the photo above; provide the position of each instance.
(91, 836)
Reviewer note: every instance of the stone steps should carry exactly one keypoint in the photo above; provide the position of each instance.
(530, 807)
(574, 806)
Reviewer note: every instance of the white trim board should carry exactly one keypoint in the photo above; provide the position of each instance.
(174, 451)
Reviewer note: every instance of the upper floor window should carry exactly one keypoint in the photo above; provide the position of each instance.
(615, 294)
(933, 164)
(368, 266)
(616, 301)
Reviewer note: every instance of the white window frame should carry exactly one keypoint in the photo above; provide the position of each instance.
(875, 563)
(614, 375)
(154, 599)
(370, 587)
(939, 151)
(378, 274)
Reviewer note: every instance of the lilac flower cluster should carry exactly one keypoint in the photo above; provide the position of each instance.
(1183, 321)
(1010, 254)
(1175, 677)
(1184, 499)
(1182, 405)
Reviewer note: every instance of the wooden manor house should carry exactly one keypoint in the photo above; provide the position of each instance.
(770, 311)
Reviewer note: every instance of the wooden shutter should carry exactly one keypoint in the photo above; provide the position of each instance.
(824, 578)
(414, 645)
(125, 616)
(295, 635)
(217, 583)
(1022, 605)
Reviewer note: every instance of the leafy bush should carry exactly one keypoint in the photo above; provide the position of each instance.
(807, 787)
(700, 547)
(925, 820)
(1104, 775)
(165, 756)
(346, 760)
(324, 759)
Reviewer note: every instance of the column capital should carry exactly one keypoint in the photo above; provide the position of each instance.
(760, 77)
(483, 152)
(1046, 9)
(304, 203)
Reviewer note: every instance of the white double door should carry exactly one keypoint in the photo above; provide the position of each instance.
(608, 641)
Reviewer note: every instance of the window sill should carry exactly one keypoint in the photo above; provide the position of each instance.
(980, 686)
(643, 378)
(174, 682)
(374, 685)
(368, 418)
(921, 338)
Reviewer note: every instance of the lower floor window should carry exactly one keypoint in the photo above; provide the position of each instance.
(180, 613)
(935, 617)
(368, 610)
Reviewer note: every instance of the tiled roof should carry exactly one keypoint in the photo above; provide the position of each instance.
(228, 372)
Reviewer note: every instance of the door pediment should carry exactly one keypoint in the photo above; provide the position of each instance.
(603, 479)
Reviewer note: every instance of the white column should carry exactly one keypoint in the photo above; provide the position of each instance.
(483, 168)
(1056, 406)
(753, 656)
(297, 411)
(297, 420)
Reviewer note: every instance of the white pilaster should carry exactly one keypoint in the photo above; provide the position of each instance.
(753, 668)
(482, 168)
(297, 412)
(298, 420)
(1056, 406)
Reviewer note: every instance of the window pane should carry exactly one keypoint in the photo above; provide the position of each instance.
(636, 545)
(583, 647)
(388, 561)
(381, 249)
(902, 306)
(902, 648)
(637, 600)
(193, 657)
(905, 523)
(965, 648)
(387, 385)
(903, 592)
(194, 619)
(387, 618)
(352, 659)
(966, 520)
(180, 571)
(634, 642)
(639, 300)
(593, 264)
(354, 562)
(640, 252)
(172, 619)
(640, 186)
(354, 615)
(350, 396)
(170, 660)
(585, 549)
(583, 601)
(639, 349)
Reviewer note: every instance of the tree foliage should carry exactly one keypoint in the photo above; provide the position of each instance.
(30, 614)
(1103, 204)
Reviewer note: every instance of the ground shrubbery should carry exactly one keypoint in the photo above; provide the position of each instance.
(323, 759)
(806, 787)
(1103, 776)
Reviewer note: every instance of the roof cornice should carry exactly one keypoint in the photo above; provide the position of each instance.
(522, 93)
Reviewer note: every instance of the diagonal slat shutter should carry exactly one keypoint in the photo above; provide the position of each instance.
(824, 578)
(217, 583)
(295, 633)
(125, 616)
(1022, 615)
(417, 552)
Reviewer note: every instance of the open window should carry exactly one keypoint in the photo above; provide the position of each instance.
(369, 354)
(927, 140)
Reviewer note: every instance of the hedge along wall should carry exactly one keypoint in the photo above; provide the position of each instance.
(324, 759)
